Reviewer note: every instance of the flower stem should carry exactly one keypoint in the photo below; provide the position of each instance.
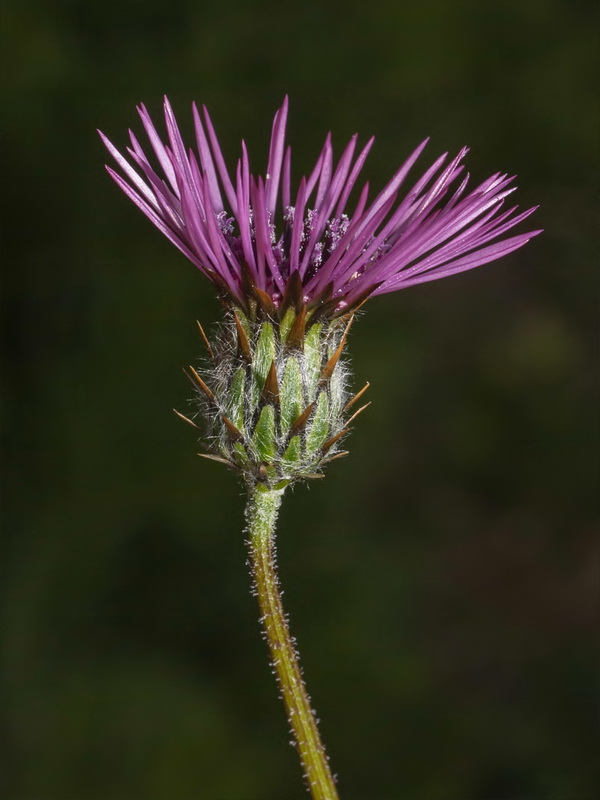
(261, 515)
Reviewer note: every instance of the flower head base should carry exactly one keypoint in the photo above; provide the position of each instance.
(254, 238)
(274, 396)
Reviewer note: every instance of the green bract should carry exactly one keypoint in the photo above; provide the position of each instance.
(274, 396)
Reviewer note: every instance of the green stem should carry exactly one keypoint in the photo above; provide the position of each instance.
(261, 515)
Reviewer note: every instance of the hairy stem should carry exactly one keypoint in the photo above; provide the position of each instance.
(261, 515)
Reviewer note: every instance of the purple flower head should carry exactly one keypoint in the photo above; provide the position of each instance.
(255, 236)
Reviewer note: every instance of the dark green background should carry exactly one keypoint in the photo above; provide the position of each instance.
(441, 580)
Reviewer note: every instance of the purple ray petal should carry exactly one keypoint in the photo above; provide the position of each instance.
(356, 169)
(157, 146)
(206, 160)
(316, 173)
(154, 218)
(298, 227)
(276, 157)
(484, 256)
(133, 176)
(263, 239)
(395, 182)
(286, 191)
(218, 156)
(243, 204)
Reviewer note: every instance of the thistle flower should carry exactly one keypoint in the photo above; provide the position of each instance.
(263, 236)
(292, 267)
(289, 264)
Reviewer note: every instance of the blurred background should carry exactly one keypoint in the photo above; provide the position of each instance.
(441, 581)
